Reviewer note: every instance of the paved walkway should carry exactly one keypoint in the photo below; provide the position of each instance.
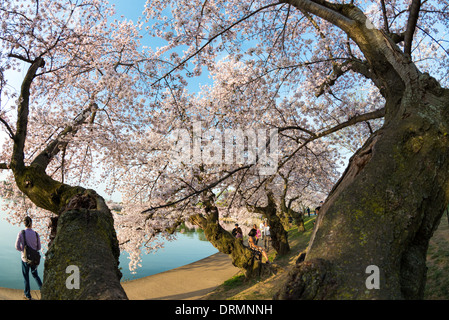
(189, 282)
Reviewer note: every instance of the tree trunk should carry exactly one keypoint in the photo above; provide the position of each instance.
(300, 223)
(279, 237)
(384, 209)
(221, 239)
(85, 239)
(297, 218)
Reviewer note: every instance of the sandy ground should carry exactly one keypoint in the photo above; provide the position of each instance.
(189, 282)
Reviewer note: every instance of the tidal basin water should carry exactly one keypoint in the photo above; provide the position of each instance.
(189, 247)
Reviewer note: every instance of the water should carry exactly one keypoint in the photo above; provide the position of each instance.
(187, 248)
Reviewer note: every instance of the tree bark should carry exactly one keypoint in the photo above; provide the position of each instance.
(390, 199)
(221, 239)
(384, 209)
(85, 239)
(279, 237)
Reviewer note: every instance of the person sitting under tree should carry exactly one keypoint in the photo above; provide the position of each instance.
(253, 246)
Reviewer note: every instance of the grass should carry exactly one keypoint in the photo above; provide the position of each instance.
(437, 286)
(237, 288)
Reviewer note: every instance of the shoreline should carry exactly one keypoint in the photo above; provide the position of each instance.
(188, 282)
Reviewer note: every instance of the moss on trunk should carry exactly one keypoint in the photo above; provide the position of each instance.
(383, 211)
(86, 239)
(241, 256)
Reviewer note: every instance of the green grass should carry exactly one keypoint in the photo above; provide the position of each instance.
(239, 288)
(235, 282)
(437, 287)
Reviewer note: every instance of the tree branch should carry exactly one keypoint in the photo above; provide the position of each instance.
(331, 12)
(212, 39)
(19, 57)
(355, 65)
(360, 118)
(17, 160)
(208, 187)
(411, 26)
(8, 128)
(4, 166)
(60, 142)
(384, 14)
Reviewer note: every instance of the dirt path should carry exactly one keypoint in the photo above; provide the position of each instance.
(188, 282)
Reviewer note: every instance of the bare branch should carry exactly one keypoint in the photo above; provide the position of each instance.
(16, 56)
(433, 39)
(384, 14)
(411, 26)
(22, 114)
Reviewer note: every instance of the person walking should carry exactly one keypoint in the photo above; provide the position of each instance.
(32, 239)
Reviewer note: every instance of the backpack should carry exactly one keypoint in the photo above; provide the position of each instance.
(32, 257)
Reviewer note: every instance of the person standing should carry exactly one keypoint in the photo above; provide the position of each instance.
(267, 236)
(237, 232)
(261, 228)
(32, 240)
(257, 233)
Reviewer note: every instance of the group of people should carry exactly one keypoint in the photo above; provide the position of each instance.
(255, 234)
(317, 209)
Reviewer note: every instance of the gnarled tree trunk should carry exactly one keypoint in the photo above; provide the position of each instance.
(390, 200)
(85, 239)
(384, 209)
(221, 239)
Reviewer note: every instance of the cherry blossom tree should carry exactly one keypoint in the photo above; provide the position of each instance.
(90, 108)
(207, 163)
(78, 98)
(369, 73)
(322, 75)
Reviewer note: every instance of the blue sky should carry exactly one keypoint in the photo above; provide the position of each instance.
(132, 10)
